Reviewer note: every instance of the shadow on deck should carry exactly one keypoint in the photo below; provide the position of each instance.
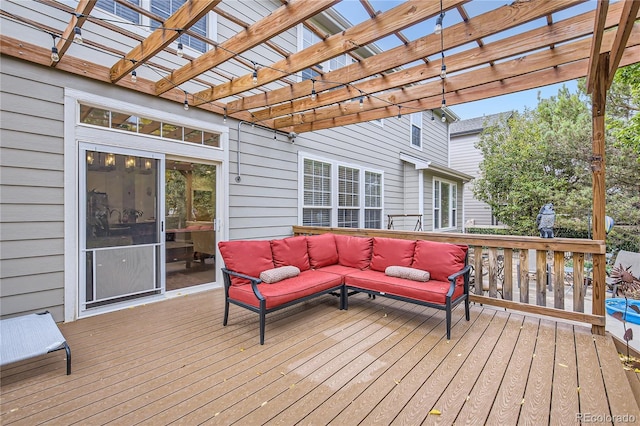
(380, 362)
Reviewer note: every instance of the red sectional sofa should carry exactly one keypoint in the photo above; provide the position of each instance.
(342, 265)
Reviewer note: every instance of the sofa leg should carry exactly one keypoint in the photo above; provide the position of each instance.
(226, 312)
(343, 298)
(262, 327)
(448, 324)
(466, 308)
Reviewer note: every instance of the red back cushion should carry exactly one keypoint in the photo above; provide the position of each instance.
(322, 250)
(440, 259)
(391, 252)
(354, 251)
(291, 252)
(246, 257)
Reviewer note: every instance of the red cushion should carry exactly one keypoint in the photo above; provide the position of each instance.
(440, 259)
(322, 250)
(246, 257)
(354, 252)
(391, 252)
(291, 252)
(305, 284)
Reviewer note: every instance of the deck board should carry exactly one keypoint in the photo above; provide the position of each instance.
(381, 362)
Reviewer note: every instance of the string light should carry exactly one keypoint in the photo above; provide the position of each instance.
(432, 117)
(313, 90)
(134, 76)
(186, 101)
(180, 51)
(438, 28)
(54, 50)
(361, 102)
(399, 113)
(224, 117)
(77, 36)
(443, 72)
(255, 73)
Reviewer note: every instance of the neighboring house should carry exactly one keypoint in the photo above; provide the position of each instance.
(465, 157)
(107, 192)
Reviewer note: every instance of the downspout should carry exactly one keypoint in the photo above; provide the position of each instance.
(238, 177)
(290, 135)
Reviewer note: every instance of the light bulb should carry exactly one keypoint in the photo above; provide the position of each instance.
(54, 54)
(255, 77)
(438, 28)
(399, 114)
(361, 103)
(77, 35)
(224, 118)
(180, 51)
(134, 76)
(443, 118)
(443, 72)
(186, 105)
(313, 94)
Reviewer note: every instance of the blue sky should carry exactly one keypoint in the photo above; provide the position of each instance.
(354, 12)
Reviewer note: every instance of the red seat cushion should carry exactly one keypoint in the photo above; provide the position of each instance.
(391, 252)
(322, 250)
(440, 259)
(431, 291)
(246, 257)
(307, 283)
(291, 252)
(354, 252)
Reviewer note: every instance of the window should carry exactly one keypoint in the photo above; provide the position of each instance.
(348, 197)
(166, 8)
(340, 195)
(317, 193)
(445, 204)
(372, 200)
(309, 39)
(119, 10)
(416, 130)
(163, 9)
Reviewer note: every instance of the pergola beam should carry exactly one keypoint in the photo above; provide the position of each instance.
(188, 14)
(398, 18)
(559, 32)
(596, 41)
(541, 78)
(83, 9)
(569, 52)
(282, 19)
(489, 23)
(629, 14)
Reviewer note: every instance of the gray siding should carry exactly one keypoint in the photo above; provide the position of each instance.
(466, 158)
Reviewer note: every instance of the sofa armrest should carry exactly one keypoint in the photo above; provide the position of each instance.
(254, 282)
(452, 279)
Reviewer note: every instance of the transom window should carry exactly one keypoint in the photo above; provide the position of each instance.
(445, 204)
(132, 123)
(335, 194)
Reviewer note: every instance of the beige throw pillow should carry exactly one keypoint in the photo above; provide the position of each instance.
(407, 273)
(274, 275)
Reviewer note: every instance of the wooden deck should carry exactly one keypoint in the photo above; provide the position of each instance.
(380, 362)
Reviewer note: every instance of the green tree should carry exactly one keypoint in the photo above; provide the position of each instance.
(543, 155)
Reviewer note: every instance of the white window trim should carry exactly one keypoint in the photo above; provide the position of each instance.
(452, 184)
(334, 187)
(74, 134)
(420, 126)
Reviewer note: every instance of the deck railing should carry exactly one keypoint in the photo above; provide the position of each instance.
(501, 271)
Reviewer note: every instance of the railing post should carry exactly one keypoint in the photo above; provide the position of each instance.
(541, 277)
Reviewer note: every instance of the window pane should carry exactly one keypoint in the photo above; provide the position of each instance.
(166, 8)
(211, 139)
(348, 218)
(446, 205)
(415, 136)
(192, 135)
(124, 122)
(316, 217)
(373, 219)
(149, 127)
(317, 183)
(95, 116)
(348, 187)
(122, 11)
(373, 189)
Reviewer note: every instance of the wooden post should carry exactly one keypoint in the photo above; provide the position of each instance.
(598, 101)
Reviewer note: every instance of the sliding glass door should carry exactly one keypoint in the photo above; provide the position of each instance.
(120, 229)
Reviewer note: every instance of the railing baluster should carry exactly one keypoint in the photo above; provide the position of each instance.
(541, 277)
(493, 272)
(558, 279)
(524, 276)
(477, 265)
(578, 282)
(507, 285)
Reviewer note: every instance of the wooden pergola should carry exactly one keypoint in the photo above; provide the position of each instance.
(377, 84)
